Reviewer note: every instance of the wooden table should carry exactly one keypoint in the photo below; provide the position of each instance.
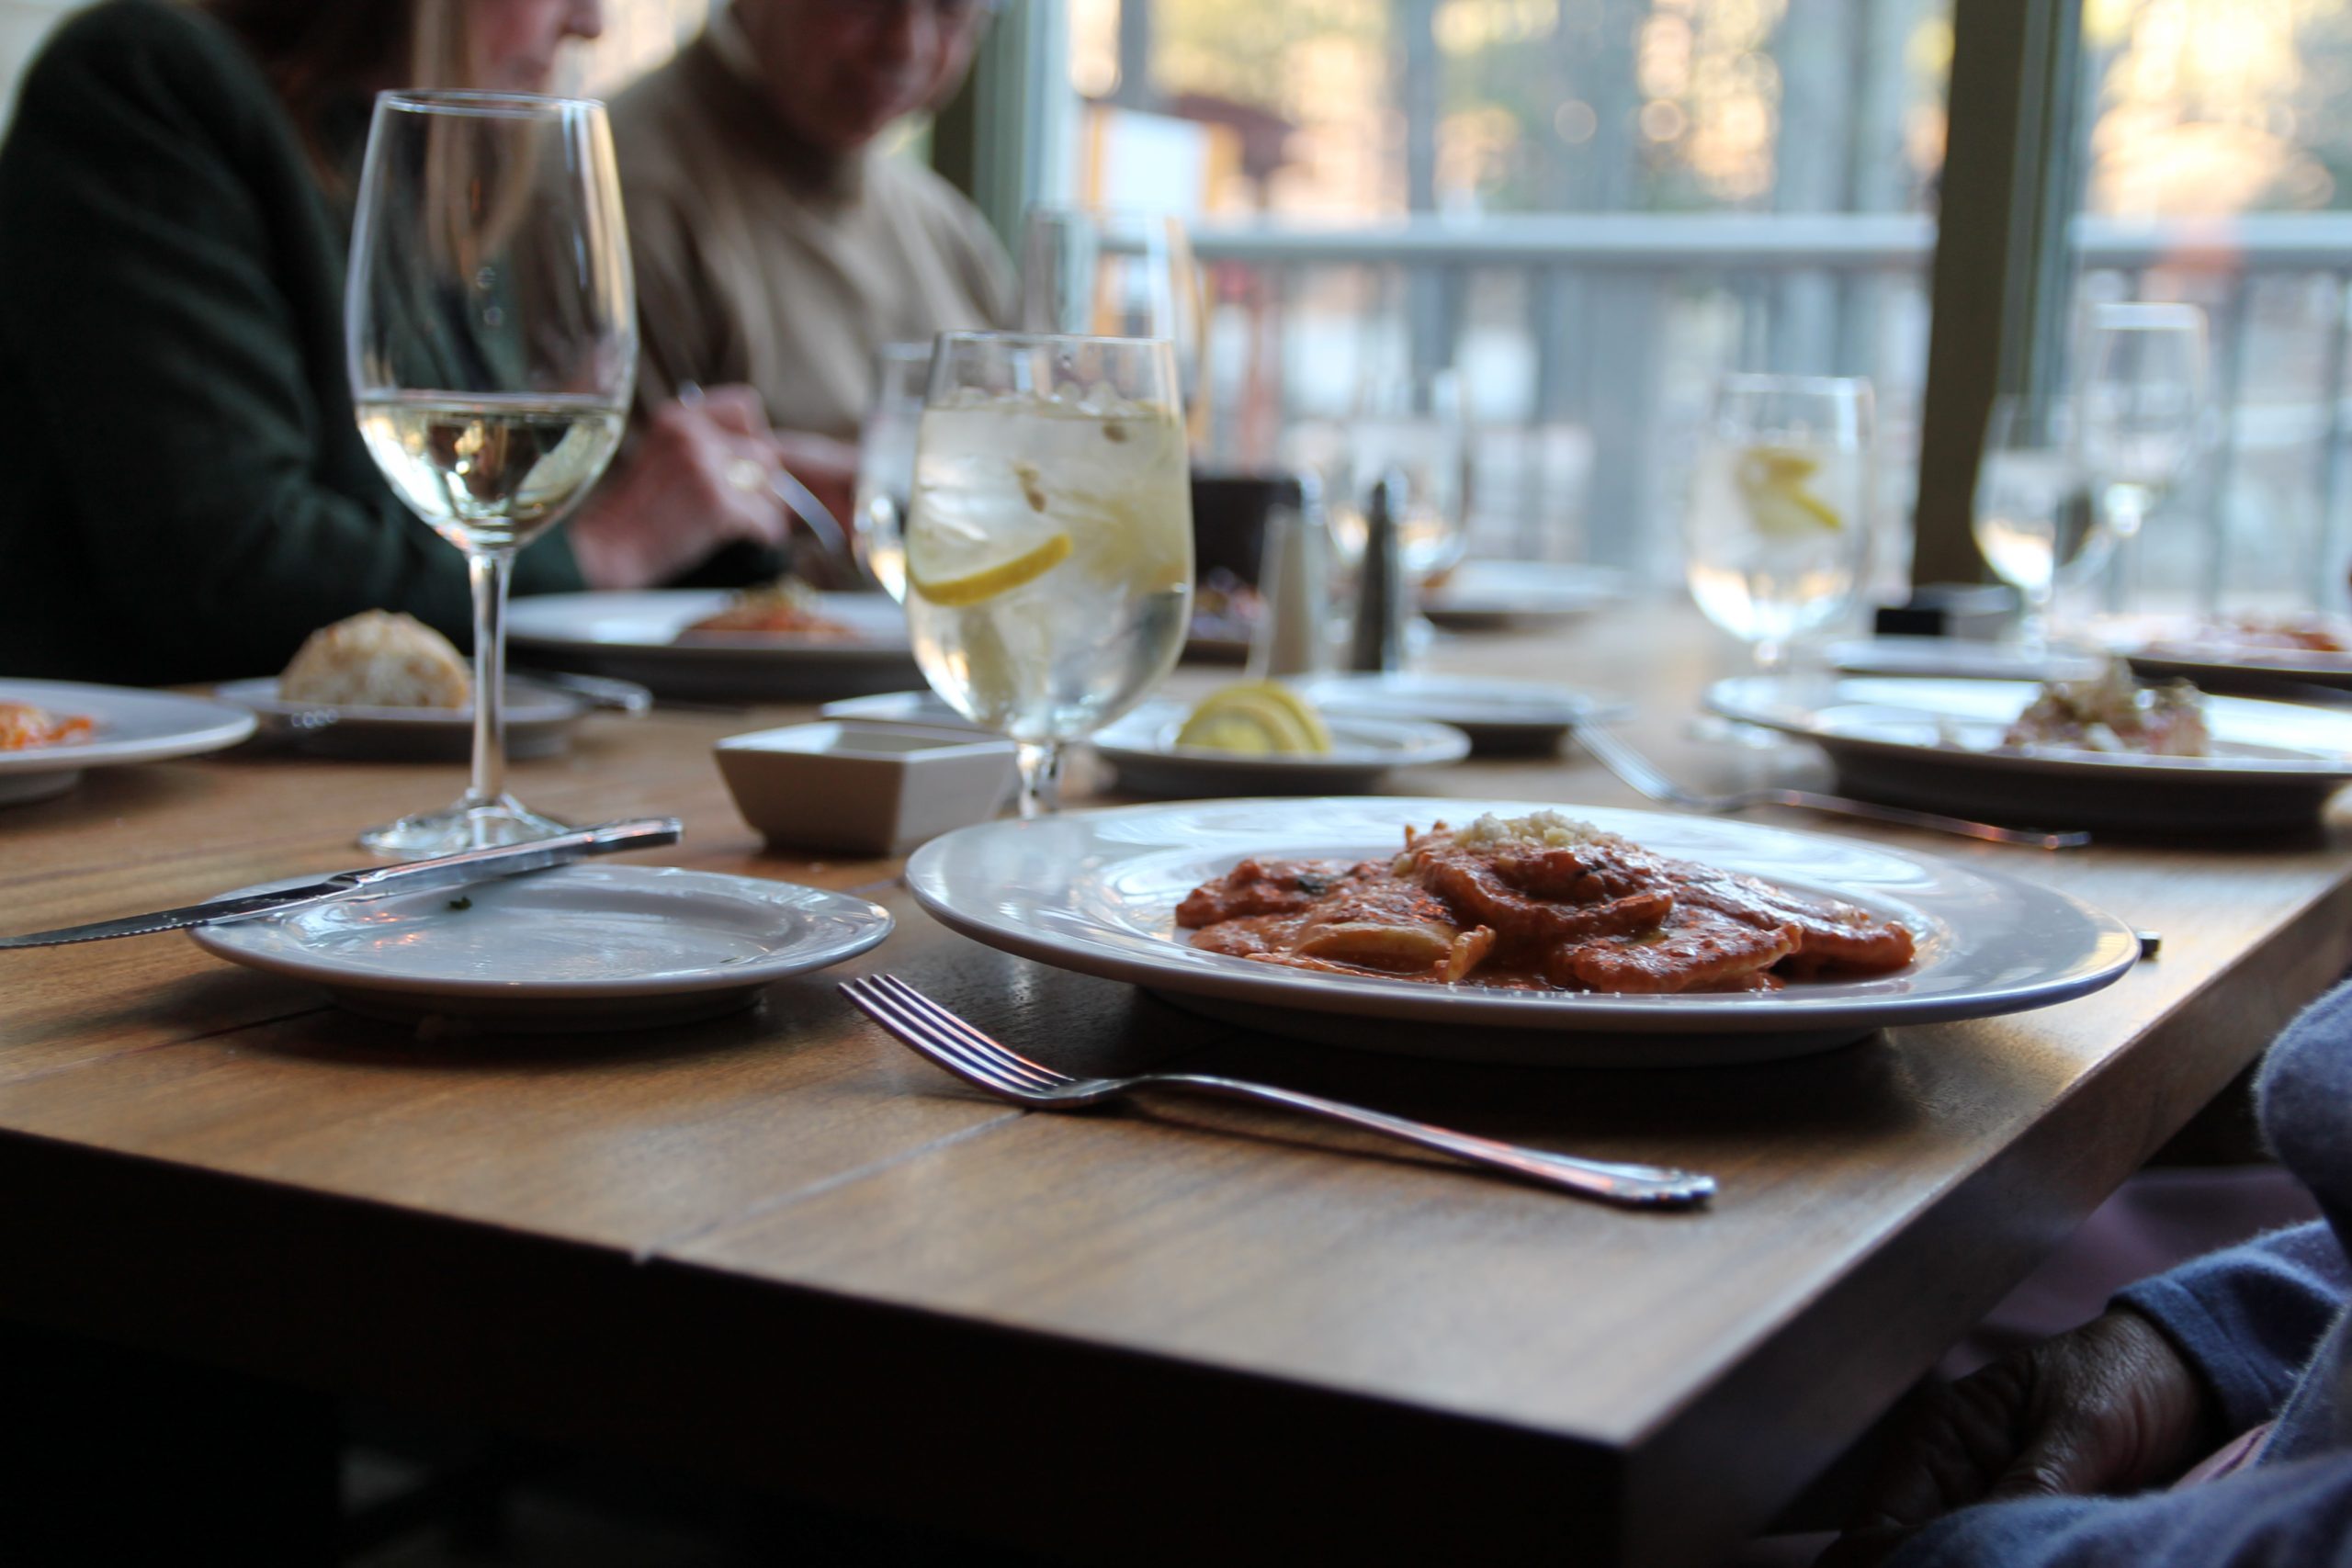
(777, 1247)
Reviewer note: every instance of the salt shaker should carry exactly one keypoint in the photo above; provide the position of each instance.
(1378, 643)
(1293, 582)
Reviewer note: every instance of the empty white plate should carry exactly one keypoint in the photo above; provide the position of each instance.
(578, 947)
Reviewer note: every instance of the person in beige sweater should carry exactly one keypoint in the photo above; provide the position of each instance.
(775, 244)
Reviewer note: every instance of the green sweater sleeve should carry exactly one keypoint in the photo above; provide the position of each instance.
(171, 291)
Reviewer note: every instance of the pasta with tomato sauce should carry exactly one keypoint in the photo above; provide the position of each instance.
(1540, 902)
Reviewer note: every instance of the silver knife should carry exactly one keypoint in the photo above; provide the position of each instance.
(374, 882)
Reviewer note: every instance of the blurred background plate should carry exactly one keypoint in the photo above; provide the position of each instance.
(637, 636)
(1935, 744)
(539, 724)
(128, 726)
(1480, 595)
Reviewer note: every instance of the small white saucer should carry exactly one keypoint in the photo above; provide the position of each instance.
(579, 947)
(1142, 746)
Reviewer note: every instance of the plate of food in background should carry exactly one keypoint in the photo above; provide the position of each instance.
(1517, 931)
(779, 643)
(51, 731)
(2245, 652)
(2107, 752)
(1489, 595)
(382, 686)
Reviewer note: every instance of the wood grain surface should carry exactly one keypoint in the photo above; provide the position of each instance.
(779, 1247)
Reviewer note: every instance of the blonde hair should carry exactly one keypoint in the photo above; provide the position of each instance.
(317, 53)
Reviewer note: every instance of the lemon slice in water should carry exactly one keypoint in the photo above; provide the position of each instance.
(1772, 480)
(954, 574)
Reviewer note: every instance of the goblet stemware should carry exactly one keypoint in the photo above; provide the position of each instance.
(491, 331)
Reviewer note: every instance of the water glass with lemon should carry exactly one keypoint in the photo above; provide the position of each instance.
(1777, 531)
(1049, 536)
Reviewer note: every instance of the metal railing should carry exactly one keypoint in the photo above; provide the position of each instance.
(1613, 325)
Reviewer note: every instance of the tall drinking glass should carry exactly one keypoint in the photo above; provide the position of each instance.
(491, 329)
(886, 463)
(1415, 424)
(1049, 545)
(1777, 531)
(2036, 520)
(2144, 403)
(1114, 274)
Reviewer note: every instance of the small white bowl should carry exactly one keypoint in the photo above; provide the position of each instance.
(866, 789)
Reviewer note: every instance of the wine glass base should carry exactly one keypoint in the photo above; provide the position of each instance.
(464, 826)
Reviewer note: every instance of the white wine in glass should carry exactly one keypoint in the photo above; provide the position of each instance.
(1049, 543)
(492, 330)
(1777, 531)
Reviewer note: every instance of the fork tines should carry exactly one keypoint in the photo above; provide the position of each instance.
(948, 1040)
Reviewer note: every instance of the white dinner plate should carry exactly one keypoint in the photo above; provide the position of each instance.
(1096, 892)
(1964, 658)
(2172, 645)
(637, 636)
(539, 724)
(128, 725)
(1142, 746)
(1480, 595)
(1937, 744)
(1496, 714)
(578, 947)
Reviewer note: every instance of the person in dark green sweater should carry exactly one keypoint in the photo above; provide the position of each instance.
(183, 494)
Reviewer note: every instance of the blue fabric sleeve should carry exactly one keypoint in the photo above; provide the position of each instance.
(2284, 1515)
(2247, 1319)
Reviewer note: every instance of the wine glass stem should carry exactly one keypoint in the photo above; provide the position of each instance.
(1041, 777)
(489, 571)
(2034, 625)
(1771, 657)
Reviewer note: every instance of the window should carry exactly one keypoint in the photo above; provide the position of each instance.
(2217, 170)
(1590, 207)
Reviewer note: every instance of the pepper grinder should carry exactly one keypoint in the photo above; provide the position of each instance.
(1378, 642)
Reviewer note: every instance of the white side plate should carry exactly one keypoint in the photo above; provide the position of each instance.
(578, 947)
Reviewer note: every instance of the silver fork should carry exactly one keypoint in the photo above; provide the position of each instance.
(1638, 772)
(987, 1063)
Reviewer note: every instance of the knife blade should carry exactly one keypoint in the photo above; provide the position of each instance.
(375, 881)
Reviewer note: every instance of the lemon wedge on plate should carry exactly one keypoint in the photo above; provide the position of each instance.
(1772, 480)
(1258, 719)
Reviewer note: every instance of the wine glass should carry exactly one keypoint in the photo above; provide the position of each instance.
(1415, 424)
(2036, 521)
(886, 463)
(491, 329)
(2142, 404)
(1049, 541)
(1777, 530)
(1114, 274)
